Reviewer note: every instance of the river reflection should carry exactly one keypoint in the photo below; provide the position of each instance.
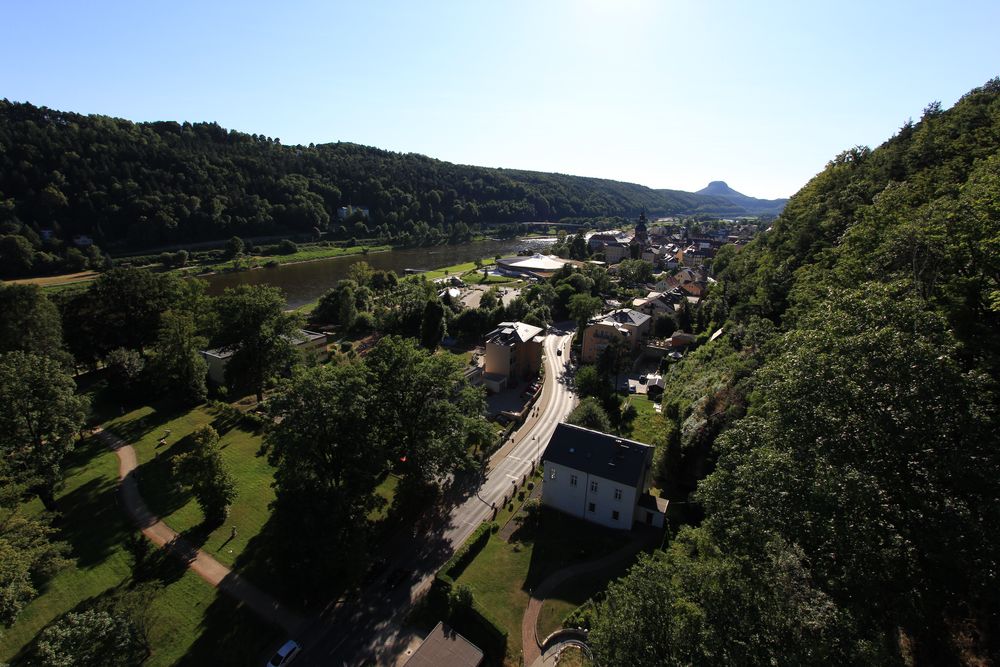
(307, 281)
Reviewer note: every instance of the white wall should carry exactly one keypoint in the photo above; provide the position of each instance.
(558, 493)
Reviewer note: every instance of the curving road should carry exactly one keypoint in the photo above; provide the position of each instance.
(369, 631)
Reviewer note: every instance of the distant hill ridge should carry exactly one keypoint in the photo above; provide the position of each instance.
(722, 189)
(143, 185)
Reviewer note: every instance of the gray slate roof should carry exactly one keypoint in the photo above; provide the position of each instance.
(596, 453)
(626, 316)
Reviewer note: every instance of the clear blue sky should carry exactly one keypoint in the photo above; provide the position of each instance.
(664, 93)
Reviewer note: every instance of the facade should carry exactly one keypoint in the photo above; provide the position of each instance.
(600, 478)
(627, 325)
(308, 343)
(513, 353)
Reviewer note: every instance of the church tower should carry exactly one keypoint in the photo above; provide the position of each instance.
(641, 233)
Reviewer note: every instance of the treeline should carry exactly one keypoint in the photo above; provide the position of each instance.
(840, 438)
(140, 185)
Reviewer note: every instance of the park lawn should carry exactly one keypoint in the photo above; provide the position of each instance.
(190, 619)
(144, 427)
(386, 490)
(453, 270)
(502, 574)
(647, 425)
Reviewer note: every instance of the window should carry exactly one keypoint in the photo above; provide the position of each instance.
(614, 515)
(593, 487)
(591, 507)
(618, 494)
(572, 480)
(552, 473)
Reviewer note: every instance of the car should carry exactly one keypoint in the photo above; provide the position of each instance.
(285, 654)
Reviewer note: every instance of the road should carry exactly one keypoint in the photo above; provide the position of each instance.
(370, 629)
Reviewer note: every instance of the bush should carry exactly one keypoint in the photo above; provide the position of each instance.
(287, 247)
(467, 552)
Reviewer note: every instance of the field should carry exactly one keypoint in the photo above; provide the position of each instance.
(647, 425)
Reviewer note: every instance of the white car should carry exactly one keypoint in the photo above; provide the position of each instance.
(284, 655)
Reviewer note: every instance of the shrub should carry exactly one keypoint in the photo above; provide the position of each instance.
(287, 247)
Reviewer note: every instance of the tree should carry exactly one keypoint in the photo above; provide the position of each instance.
(590, 414)
(30, 322)
(328, 455)
(348, 311)
(235, 247)
(255, 328)
(176, 365)
(635, 271)
(17, 257)
(361, 273)
(201, 469)
(589, 383)
(112, 631)
(433, 418)
(29, 553)
(870, 449)
(695, 605)
(581, 308)
(489, 299)
(41, 416)
(125, 306)
(432, 324)
(125, 370)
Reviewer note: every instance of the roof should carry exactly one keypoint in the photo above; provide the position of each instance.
(600, 454)
(300, 337)
(626, 316)
(536, 262)
(445, 648)
(650, 502)
(507, 333)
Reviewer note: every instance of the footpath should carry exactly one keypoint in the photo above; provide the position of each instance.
(201, 563)
(531, 643)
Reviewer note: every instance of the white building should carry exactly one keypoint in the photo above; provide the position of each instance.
(601, 478)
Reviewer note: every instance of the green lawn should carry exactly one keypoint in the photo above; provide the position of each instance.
(145, 426)
(647, 424)
(453, 270)
(191, 623)
(502, 574)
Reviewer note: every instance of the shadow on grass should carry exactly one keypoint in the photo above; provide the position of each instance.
(92, 522)
(231, 634)
(133, 430)
(157, 484)
(558, 541)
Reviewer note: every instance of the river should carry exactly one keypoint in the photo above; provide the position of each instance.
(307, 281)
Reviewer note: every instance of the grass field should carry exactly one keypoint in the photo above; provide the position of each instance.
(648, 424)
(503, 573)
(191, 623)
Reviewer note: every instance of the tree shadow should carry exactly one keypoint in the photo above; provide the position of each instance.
(231, 634)
(133, 430)
(558, 541)
(158, 487)
(92, 522)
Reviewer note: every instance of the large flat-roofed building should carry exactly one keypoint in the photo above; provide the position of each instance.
(537, 265)
(627, 325)
(513, 353)
(600, 478)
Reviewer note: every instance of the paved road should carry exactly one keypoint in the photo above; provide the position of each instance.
(370, 631)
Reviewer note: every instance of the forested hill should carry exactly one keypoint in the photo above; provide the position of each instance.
(148, 184)
(841, 437)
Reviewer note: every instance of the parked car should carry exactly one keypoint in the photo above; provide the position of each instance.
(285, 654)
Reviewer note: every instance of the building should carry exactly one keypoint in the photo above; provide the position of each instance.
(535, 266)
(308, 343)
(513, 353)
(627, 325)
(444, 647)
(600, 478)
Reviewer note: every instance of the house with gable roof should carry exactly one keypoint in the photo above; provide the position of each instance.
(600, 478)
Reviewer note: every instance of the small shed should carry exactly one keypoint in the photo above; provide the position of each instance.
(445, 648)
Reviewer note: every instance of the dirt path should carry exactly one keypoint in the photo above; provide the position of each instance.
(531, 643)
(202, 564)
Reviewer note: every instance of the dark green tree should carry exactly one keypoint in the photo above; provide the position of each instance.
(42, 415)
(432, 326)
(176, 366)
(590, 414)
(202, 470)
(255, 328)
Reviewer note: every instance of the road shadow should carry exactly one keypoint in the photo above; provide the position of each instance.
(231, 634)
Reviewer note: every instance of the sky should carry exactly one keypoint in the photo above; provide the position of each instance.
(666, 93)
